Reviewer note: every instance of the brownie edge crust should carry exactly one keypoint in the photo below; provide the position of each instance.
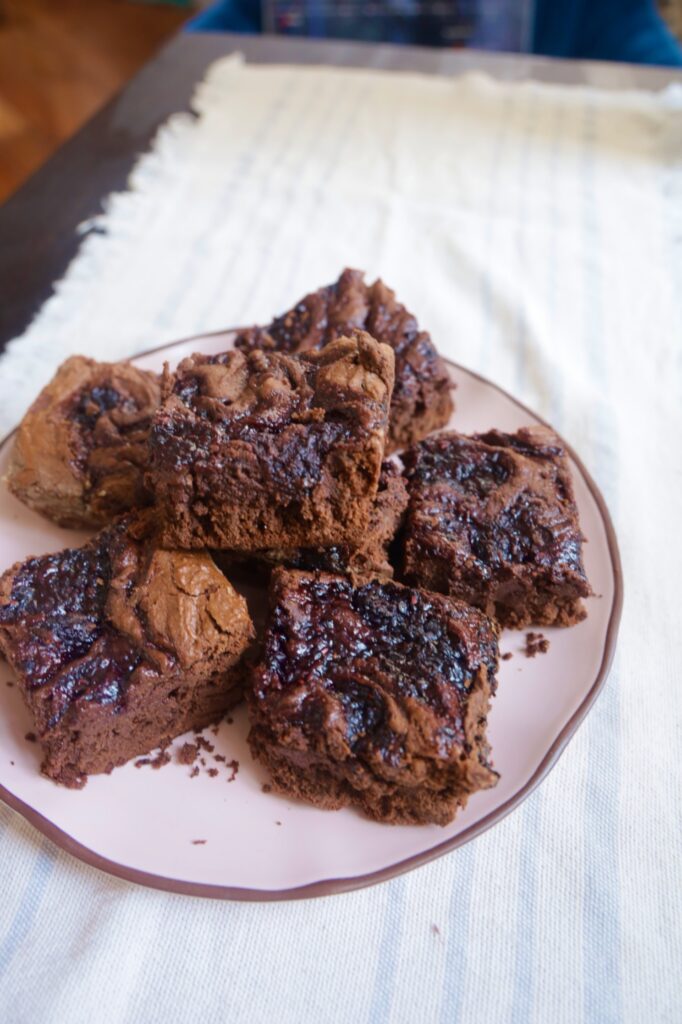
(374, 696)
(119, 646)
(265, 450)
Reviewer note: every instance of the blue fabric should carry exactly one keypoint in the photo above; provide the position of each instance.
(242, 16)
(626, 30)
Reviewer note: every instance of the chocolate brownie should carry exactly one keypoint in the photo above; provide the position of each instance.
(375, 696)
(266, 450)
(119, 646)
(492, 520)
(371, 557)
(422, 399)
(81, 448)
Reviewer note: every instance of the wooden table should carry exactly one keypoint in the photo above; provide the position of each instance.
(39, 224)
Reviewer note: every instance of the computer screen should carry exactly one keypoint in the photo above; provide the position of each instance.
(485, 24)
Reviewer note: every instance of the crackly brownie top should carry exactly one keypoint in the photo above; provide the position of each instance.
(495, 501)
(79, 624)
(361, 663)
(292, 410)
(334, 310)
(81, 447)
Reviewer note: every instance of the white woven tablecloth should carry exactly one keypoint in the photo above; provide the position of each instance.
(537, 233)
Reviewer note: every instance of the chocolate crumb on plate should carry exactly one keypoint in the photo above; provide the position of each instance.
(536, 643)
(187, 753)
(198, 842)
(31, 737)
(161, 760)
(234, 768)
(213, 772)
(506, 656)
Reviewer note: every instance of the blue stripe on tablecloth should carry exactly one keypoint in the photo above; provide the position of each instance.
(601, 907)
(527, 893)
(458, 934)
(29, 906)
(389, 949)
(526, 899)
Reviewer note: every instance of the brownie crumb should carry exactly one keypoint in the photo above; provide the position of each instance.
(278, 823)
(11, 762)
(31, 737)
(219, 757)
(234, 768)
(536, 643)
(187, 753)
(266, 787)
(506, 656)
(229, 719)
(195, 771)
(202, 762)
(161, 760)
(215, 729)
(198, 842)
(205, 744)
(9, 683)
(142, 761)
(213, 772)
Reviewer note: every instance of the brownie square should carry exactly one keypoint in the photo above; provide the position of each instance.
(492, 520)
(265, 450)
(368, 559)
(81, 449)
(374, 696)
(119, 646)
(422, 397)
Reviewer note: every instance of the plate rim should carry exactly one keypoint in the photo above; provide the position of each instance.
(333, 886)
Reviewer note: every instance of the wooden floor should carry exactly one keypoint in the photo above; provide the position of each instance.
(60, 60)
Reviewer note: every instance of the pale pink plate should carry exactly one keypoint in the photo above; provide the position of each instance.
(210, 837)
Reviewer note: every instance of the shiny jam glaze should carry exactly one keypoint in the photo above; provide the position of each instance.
(91, 404)
(275, 408)
(329, 643)
(61, 641)
(495, 499)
